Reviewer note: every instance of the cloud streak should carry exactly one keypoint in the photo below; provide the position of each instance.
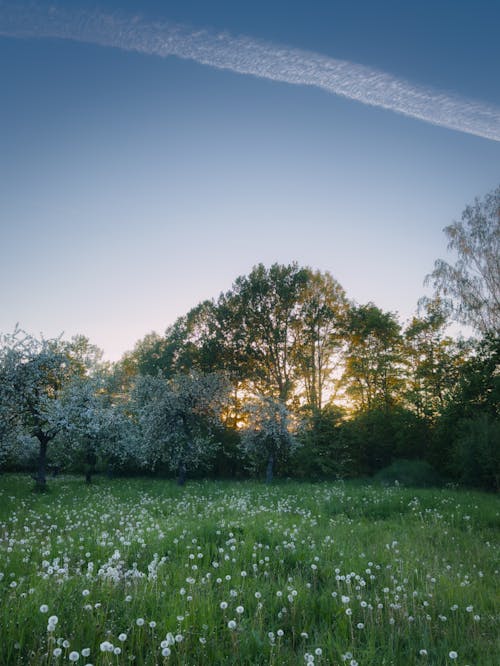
(249, 56)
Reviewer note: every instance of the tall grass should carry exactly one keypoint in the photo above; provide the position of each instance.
(144, 572)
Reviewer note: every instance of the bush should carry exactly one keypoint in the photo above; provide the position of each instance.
(416, 473)
(477, 452)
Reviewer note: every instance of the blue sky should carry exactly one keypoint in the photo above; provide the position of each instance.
(132, 186)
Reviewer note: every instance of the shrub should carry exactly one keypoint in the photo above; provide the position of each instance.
(416, 473)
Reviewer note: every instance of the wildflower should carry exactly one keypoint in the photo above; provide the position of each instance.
(57, 652)
(318, 652)
(53, 619)
(106, 646)
(117, 650)
(74, 656)
(239, 609)
(231, 624)
(122, 637)
(44, 608)
(85, 652)
(423, 652)
(166, 652)
(152, 624)
(85, 593)
(139, 622)
(452, 654)
(223, 605)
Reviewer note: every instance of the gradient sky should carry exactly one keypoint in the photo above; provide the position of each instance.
(133, 186)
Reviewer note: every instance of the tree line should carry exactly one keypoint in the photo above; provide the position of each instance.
(280, 374)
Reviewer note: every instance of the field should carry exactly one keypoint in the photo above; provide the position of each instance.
(144, 572)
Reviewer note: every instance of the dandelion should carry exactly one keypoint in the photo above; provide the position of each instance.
(53, 619)
(57, 652)
(85, 593)
(423, 652)
(106, 646)
(122, 637)
(44, 608)
(239, 609)
(74, 656)
(166, 652)
(231, 624)
(223, 605)
(452, 654)
(318, 652)
(139, 622)
(85, 652)
(152, 624)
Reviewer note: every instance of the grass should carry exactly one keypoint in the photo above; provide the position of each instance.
(242, 573)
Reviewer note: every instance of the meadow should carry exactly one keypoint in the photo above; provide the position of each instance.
(143, 572)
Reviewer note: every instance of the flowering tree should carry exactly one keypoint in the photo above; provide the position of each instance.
(177, 419)
(268, 434)
(87, 421)
(33, 375)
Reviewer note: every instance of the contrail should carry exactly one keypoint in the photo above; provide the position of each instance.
(246, 55)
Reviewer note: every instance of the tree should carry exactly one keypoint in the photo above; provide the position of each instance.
(267, 436)
(33, 373)
(373, 373)
(320, 338)
(262, 311)
(86, 420)
(466, 443)
(433, 361)
(471, 286)
(177, 419)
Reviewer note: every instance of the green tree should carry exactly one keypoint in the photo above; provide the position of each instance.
(373, 373)
(320, 329)
(433, 361)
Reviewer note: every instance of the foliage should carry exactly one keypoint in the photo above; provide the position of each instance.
(373, 372)
(323, 452)
(477, 452)
(412, 473)
(374, 438)
(433, 361)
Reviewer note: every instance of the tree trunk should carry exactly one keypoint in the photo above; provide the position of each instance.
(269, 470)
(181, 478)
(90, 467)
(41, 477)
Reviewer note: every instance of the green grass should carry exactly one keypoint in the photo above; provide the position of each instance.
(345, 573)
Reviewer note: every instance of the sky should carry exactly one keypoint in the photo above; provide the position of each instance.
(153, 151)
